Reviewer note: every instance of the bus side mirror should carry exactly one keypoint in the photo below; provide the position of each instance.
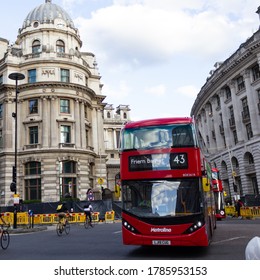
(206, 184)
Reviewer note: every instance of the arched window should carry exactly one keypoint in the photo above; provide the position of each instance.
(227, 92)
(36, 46)
(60, 46)
(235, 163)
(249, 159)
(223, 166)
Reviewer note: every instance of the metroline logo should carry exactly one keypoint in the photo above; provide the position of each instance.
(161, 229)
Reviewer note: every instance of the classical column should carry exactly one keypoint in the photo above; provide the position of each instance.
(45, 122)
(77, 124)
(106, 136)
(55, 134)
(100, 131)
(217, 123)
(82, 125)
(225, 118)
(101, 142)
(24, 136)
(211, 124)
(202, 124)
(207, 125)
(95, 131)
(114, 140)
(8, 128)
(237, 112)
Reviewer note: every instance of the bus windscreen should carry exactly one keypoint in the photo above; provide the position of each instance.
(159, 198)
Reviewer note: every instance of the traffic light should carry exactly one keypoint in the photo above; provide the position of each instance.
(13, 187)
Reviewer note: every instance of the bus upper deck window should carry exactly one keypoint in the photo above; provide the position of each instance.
(182, 136)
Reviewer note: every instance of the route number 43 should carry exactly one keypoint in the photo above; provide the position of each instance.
(179, 160)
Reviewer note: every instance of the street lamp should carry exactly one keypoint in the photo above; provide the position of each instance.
(16, 77)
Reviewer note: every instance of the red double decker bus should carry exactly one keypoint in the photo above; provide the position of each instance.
(167, 197)
(218, 193)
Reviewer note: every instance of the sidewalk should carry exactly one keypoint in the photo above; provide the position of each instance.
(40, 227)
(27, 230)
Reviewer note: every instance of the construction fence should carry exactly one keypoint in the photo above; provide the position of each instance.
(29, 219)
(252, 212)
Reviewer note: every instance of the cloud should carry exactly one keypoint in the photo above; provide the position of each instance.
(69, 3)
(188, 90)
(142, 33)
(117, 93)
(161, 52)
(158, 90)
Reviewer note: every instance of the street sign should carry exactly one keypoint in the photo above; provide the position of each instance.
(16, 199)
(100, 181)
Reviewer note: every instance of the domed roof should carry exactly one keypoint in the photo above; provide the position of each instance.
(47, 13)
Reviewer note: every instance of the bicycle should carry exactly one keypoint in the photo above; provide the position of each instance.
(5, 237)
(63, 226)
(87, 223)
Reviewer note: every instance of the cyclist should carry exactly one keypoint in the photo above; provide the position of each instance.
(3, 221)
(62, 210)
(1, 218)
(88, 210)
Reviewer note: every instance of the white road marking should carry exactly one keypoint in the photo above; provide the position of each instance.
(116, 232)
(229, 239)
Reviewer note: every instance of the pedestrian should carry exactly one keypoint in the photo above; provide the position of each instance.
(88, 210)
(238, 205)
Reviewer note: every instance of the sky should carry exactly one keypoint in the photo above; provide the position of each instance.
(153, 55)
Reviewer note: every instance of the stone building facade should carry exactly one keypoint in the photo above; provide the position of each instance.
(227, 110)
(60, 111)
(114, 119)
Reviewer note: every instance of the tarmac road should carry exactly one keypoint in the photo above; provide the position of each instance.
(104, 242)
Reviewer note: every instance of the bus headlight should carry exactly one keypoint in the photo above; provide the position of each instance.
(197, 225)
(129, 227)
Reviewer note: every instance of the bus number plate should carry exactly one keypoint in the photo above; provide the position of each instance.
(161, 242)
